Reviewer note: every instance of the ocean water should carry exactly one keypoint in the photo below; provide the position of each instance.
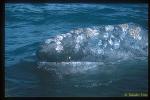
(28, 25)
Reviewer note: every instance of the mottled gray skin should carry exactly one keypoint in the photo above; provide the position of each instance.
(96, 44)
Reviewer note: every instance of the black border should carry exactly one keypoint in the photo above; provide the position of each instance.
(2, 50)
(77, 1)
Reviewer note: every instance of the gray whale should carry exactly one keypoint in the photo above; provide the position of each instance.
(93, 45)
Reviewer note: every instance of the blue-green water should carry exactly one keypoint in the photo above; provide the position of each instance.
(27, 25)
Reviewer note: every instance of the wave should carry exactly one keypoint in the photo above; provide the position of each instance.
(68, 67)
(95, 44)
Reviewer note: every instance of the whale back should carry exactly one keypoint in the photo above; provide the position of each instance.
(97, 43)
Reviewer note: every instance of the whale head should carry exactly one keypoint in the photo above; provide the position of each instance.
(94, 44)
